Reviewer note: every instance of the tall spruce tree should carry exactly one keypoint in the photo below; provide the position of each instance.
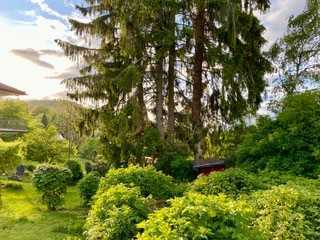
(206, 51)
(227, 64)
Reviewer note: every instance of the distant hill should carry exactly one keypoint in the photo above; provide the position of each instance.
(52, 106)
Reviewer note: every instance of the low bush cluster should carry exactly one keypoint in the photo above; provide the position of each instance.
(115, 214)
(196, 216)
(130, 204)
(288, 211)
(149, 181)
(88, 187)
(232, 182)
(52, 182)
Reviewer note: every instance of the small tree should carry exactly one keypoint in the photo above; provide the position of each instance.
(10, 155)
(44, 145)
(52, 182)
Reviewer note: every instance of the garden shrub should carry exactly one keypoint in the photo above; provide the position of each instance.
(173, 160)
(10, 155)
(176, 165)
(150, 181)
(88, 186)
(268, 179)
(52, 182)
(196, 216)
(288, 211)
(232, 182)
(115, 213)
(75, 168)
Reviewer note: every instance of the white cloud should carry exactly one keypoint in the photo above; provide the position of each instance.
(45, 7)
(38, 35)
(276, 19)
(30, 13)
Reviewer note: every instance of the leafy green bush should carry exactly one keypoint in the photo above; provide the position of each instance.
(288, 143)
(44, 145)
(75, 168)
(175, 164)
(231, 182)
(52, 182)
(88, 186)
(268, 179)
(115, 213)
(11, 185)
(150, 181)
(196, 216)
(10, 155)
(289, 211)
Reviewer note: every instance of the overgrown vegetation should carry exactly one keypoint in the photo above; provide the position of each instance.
(166, 84)
(287, 143)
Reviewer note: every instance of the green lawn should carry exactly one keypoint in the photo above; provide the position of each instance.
(23, 217)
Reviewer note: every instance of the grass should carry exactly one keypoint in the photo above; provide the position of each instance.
(24, 217)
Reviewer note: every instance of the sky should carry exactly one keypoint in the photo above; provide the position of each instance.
(31, 61)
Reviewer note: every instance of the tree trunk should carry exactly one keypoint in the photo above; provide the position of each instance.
(198, 28)
(159, 95)
(171, 80)
(142, 106)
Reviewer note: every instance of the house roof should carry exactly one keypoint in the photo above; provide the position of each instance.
(6, 90)
(208, 163)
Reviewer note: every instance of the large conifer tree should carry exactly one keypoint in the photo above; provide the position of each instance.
(203, 56)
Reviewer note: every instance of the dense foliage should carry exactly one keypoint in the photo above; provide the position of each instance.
(197, 216)
(115, 213)
(51, 181)
(147, 179)
(88, 187)
(44, 145)
(231, 182)
(289, 142)
(10, 155)
(75, 168)
(289, 211)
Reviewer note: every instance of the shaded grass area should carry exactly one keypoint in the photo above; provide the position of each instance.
(24, 217)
